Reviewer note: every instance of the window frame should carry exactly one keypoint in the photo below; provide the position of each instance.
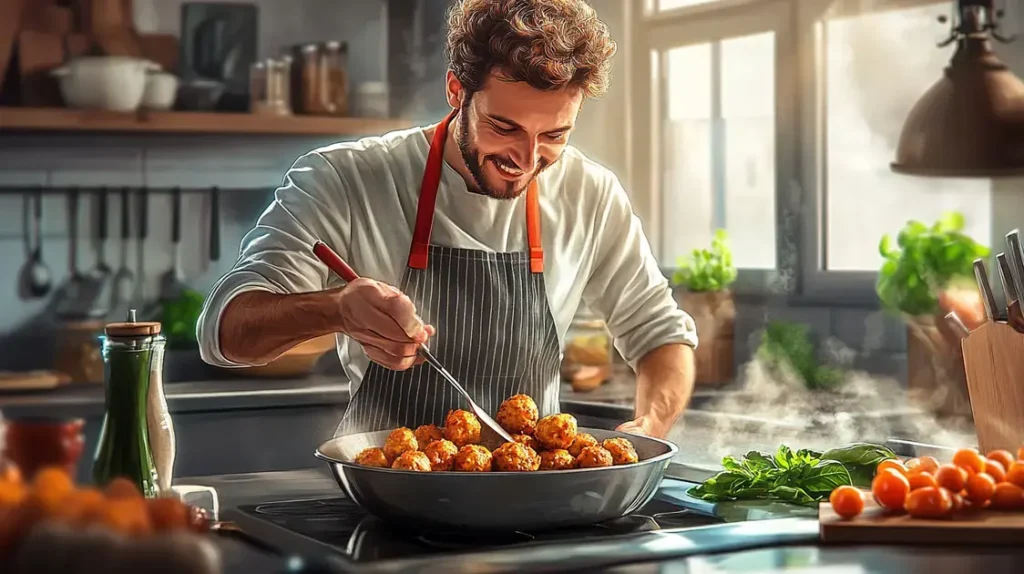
(801, 127)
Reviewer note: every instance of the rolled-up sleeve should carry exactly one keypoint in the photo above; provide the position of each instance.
(276, 254)
(627, 287)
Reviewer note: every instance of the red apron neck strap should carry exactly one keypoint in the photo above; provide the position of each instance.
(428, 195)
(533, 227)
(428, 199)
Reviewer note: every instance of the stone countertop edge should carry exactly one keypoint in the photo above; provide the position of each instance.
(85, 400)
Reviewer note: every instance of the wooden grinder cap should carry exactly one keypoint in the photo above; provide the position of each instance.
(133, 328)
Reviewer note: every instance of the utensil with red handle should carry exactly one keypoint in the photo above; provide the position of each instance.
(335, 263)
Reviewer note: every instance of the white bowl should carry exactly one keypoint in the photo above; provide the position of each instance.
(161, 91)
(114, 83)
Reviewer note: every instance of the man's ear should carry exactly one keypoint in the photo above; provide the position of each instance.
(454, 90)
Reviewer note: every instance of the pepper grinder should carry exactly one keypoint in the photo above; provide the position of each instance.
(137, 438)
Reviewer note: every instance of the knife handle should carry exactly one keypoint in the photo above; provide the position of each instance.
(985, 288)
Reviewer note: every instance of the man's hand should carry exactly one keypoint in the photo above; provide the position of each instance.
(642, 426)
(384, 321)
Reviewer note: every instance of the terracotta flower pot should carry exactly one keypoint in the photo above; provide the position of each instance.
(715, 315)
(936, 379)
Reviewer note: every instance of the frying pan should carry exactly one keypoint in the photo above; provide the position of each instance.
(498, 501)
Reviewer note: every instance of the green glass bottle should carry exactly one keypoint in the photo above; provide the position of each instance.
(129, 350)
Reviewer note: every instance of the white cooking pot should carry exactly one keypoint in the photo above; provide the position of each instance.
(115, 83)
(161, 91)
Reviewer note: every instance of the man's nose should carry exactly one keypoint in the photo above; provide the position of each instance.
(527, 155)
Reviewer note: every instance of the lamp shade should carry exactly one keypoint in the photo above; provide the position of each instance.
(968, 124)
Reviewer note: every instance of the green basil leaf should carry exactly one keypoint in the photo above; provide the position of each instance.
(859, 454)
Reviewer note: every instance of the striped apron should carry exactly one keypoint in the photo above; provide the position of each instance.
(495, 331)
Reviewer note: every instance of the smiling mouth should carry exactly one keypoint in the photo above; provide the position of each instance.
(507, 169)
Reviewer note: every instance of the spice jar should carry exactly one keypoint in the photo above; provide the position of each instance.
(77, 354)
(587, 359)
(310, 65)
(334, 78)
(271, 90)
(133, 351)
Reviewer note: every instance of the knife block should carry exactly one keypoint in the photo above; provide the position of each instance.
(994, 362)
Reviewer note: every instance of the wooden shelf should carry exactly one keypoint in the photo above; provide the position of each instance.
(65, 120)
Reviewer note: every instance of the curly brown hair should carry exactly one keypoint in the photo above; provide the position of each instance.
(550, 44)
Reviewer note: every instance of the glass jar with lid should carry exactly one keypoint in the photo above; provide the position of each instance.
(333, 85)
(588, 342)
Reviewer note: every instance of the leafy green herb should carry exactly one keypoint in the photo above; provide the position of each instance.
(708, 269)
(179, 320)
(804, 477)
(925, 261)
(785, 344)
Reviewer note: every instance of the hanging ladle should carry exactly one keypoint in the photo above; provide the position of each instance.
(36, 276)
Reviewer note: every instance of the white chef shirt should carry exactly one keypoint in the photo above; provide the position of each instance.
(360, 198)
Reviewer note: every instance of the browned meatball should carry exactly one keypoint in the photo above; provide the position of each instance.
(518, 414)
(412, 460)
(582, 440)
(372, 457)
(593, 456)
(515, 457)
(621, 449)
(556, 431)
(556, 460)
(426, 434)
(473, 458)
(527, 440)
(441, 454)
(399, 441)
(462, 428)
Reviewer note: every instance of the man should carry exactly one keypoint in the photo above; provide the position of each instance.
(481, 234)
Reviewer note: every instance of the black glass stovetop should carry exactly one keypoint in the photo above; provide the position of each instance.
(344, 527)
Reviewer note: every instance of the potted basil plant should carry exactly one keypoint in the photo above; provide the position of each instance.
(924, 262)
(703, 280)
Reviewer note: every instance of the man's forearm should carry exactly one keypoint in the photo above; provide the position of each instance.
(664, 386)
(258, 326)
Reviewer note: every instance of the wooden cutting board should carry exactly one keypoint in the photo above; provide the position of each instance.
(31, 380)
(874, 526)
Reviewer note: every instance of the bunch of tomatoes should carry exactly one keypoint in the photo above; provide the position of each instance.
(923, 488)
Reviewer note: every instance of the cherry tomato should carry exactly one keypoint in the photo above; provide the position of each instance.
(922, 479)
(1007, 496)
(951, 477)
(847, 501)
(969, 460)
(1015, 474)
(929, 503)
(922, 464)
(890, 489)
(1020, 454)
(1003, 457)
(894, 464)
(980, 488)
(995, 469)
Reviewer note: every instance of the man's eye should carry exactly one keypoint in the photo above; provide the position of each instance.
(503, 131)
(557, 136)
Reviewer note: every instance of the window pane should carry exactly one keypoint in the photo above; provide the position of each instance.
(719, 149)
(673, 4)
(686, 199)
(868, 95)
(748, 109)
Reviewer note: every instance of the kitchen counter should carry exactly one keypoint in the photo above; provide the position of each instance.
(793, 547)
(83, 400)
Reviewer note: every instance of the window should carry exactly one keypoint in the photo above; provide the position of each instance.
(664, 5)
(718, 137)
(876, 66)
